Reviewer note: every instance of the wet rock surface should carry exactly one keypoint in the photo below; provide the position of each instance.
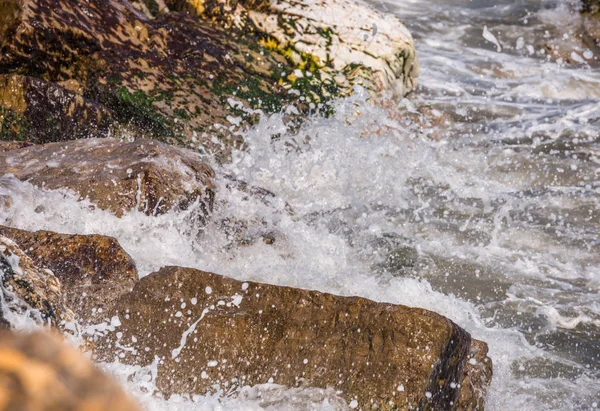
(477, 375)
(37, 111)
(145, 68)
(591, 25)
(118, 176)
(94, 271)
(211, 331)
(30, 290)
(40, 372)
(344, 41)
(168, 78)
(191, 73)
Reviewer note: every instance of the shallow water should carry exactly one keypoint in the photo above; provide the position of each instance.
(485, 207)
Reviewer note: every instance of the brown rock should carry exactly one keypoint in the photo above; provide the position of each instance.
(477, 376)
(94, 270)
(25, 286)
(146, 175)
(12, 145)
(37, 111)
(209, 329)
(325, 38)
(591, 32)
(39, 372)
(168, 77)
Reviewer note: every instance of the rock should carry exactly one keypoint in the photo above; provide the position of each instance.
(34, 110)
(12, 145)
(401, 259)
(94, 270)
(40, 372)
(146, 175)
(477, 376)
(173, 77)
(25, 287)
(590, 6)
(340, 39)
(591, 25)
(213, 332)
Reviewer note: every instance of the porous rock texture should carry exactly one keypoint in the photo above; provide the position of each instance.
(39, 372)
(93, 270)
(118, 176)
(212, 332)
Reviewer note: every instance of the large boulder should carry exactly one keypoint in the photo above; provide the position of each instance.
(40, 372)
(173, 77)
(106, 67)
(119, 176)
(211, 332)
(28, 291)
(93, 270)
(345, 40)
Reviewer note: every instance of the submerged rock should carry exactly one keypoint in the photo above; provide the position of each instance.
(29, 290)
(144, 175)
(211, 332)
(40, 372)
(94, 270)
(591, 25)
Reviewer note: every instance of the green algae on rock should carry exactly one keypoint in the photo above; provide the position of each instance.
(173, 77)
(341, 41)
(111, 68)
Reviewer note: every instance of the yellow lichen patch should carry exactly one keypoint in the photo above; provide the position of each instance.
(269, 43)
(12, 93)
(198, 6)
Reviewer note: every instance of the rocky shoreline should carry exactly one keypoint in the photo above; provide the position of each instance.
(128, 105)
(211, 332)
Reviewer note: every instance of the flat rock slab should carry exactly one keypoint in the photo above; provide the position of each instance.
(94, 271)
(119, 176)
(211, 332)
(40, 372)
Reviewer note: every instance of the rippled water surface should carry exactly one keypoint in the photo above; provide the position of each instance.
(478, 197)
